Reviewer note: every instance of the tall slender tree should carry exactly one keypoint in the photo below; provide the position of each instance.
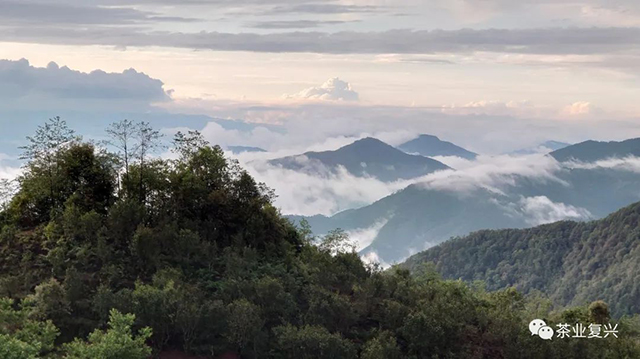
(149, 141)
(43, 146)
(123, 136)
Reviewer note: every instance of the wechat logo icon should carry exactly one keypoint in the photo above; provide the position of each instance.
(539, 327)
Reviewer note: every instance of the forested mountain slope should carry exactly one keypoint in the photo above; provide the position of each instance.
(590, 151)
(430, 146)
(189, 256)
(368, 157)
(421, 216)
(571, 262)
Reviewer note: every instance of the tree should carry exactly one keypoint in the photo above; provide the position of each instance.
(148, 143)
(123, 137)
(312, 342)
(47, 140)
(382, 346)
(8, 189)
(22, 337)
(337, 241)
(44, 146)
(245, 324)
(187, 145)
(117, 342)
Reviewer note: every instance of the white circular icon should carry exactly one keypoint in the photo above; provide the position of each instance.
(545, 333)
(535, 325)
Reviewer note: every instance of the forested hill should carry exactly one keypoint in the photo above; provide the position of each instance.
(571, 262)
(137, 257)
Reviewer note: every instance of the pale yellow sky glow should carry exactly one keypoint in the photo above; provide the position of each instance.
(519, 71)
(431, 81)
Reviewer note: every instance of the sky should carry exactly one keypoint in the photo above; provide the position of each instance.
(491, 75)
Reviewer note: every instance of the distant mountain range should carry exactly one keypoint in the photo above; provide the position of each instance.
(421, 216)
(430, 146)
(368, 157)
(545, 147)
(590, 151)
(242, 149)
(574, 263)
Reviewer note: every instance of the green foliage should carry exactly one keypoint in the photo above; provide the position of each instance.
(573, 263)
(312, 342)
(117, 342)
(195, 250)
(22, 337)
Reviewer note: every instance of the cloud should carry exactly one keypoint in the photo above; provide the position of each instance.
(363, 237)
(259, 136)
(295, 24)
(333, 89)
(25, 86)
(630, 164)
(326, 8)
(74, 13)
(8, 171)
(307, 194)
(494, 174)
(373, 258)
(578, 109)
(541, 210)
(593, 40)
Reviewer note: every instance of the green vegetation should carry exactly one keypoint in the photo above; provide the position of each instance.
(120, 255)
(573, 263)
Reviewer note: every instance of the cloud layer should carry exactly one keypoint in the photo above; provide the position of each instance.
(26, 86)
(559, 41)
(333, 89)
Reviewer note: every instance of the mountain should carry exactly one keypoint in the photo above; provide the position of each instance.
(571, 262)
(590, 151)
(212, 268)
(241, 149)
(430, 146)
(365, 157)
(423, 215)
(545, 147)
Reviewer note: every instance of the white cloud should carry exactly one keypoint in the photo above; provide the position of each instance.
(373, 258)
(306, 194)
(494, 173)
(365, 236)
(580, 108)
(631, 164)
(541, 210)
(521, 109)
(8, 170)
(333, 89)
(23, 86)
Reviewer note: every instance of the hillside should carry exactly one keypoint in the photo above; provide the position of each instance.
(590, 151)
(545, 147)
(570, 262)
(419, 217)
(430, 146)
(367, 157)
(189, 258)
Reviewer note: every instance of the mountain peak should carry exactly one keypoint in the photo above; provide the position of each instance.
(367, 157)
(430, 145)
(368, 143)
(589, 151)
(426, 136)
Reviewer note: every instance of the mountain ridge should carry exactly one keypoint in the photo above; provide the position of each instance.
(431, 146)
(590, 151)
(367, 157)
(573, 262)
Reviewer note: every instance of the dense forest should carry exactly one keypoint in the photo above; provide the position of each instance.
(109, 251)
(573, 263)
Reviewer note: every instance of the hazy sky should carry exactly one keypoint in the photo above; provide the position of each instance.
(492, 74)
